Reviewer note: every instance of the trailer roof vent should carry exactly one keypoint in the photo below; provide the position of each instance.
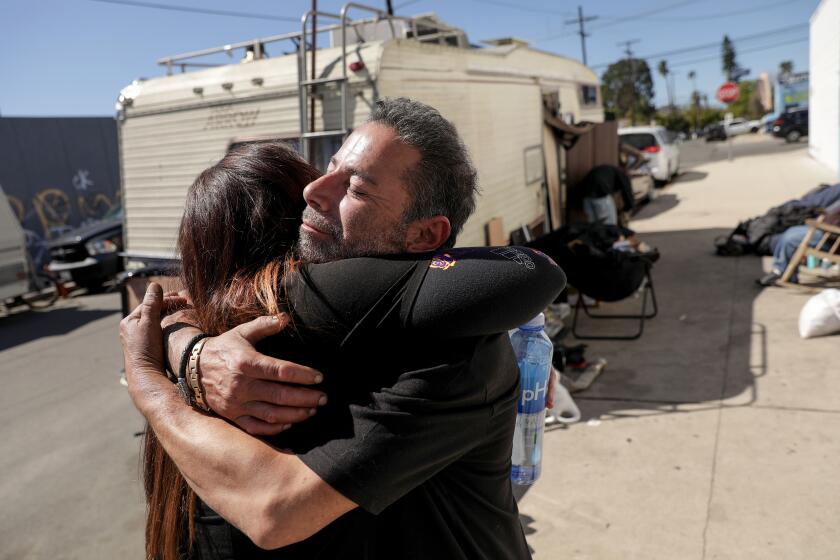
(506, 41)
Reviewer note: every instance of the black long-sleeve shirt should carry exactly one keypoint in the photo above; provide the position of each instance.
(422, 386)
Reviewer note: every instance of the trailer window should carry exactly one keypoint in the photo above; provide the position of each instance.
(322, 149)
(589, 94)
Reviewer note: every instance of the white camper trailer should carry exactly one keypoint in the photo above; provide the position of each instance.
(14, 262)
(174, 126)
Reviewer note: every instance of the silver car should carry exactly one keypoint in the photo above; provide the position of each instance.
(660, 147)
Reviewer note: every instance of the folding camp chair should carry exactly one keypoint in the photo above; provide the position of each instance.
(646, 288)
(603, 275)
(820, 250)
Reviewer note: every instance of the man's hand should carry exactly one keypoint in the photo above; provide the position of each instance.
(262, 395)
(552, 379)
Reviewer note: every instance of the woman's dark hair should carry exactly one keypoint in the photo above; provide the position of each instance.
(240, 222)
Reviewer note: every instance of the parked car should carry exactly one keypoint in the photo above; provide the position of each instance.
(741, 126)
(659, 146)
(791, 125)
(715, 132)
(637, 167)
(89, 255)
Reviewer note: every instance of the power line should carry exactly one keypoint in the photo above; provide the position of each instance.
(693, 18)
(515, 6)
(715, 45)
(743, 51)
(622, 19)
(190, 9)
(631, 17)
(406, 3)
(583, 34)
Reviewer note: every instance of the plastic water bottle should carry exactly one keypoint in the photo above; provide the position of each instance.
(533, 351)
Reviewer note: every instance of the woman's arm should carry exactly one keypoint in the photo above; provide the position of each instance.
(273, 497)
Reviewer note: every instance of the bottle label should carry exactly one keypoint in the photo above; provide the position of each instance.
(532, 399)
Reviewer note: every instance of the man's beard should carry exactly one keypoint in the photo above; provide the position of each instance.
(336, 247)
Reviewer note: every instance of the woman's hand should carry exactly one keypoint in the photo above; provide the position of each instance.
(142, 342)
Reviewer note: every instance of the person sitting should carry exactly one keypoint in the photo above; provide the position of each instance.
(787, 243)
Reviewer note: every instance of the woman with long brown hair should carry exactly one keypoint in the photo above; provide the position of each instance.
(236, 241)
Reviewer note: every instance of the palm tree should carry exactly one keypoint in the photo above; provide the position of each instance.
(785, 67)
(695, 98)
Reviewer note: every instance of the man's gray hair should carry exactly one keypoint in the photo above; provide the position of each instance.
(444, 181)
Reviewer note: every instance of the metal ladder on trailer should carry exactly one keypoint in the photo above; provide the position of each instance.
(307, 84)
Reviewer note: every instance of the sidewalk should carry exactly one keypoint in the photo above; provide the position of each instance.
(716, 434)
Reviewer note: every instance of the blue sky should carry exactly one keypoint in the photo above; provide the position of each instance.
(71, 57)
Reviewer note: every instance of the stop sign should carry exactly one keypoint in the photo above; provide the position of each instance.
(728, 92)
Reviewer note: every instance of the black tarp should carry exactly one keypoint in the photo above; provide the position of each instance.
(59, 172)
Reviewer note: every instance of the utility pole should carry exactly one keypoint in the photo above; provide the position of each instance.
(312, 63)
(583, 34)
(390, 7)
(629, 52)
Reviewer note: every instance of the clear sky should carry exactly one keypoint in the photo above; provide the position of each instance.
(72, 57)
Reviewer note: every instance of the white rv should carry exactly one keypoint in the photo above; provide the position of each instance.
(174, 126)
(14, 263)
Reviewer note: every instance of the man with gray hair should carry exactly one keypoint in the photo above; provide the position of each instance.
(425, 471)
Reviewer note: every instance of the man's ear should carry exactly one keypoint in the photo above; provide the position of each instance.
(427, 234)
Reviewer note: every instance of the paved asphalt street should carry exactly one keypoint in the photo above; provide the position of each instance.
(68, 449)
(699, 152)
(68, 431)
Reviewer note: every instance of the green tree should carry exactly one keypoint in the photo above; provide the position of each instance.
(728, 58)
(675, 120)
(748, 104)
(663, 70)
(627, 88)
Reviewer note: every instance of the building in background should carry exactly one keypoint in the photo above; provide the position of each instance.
(824, 103)
(792, 92)
(765, 92)
(59, 173)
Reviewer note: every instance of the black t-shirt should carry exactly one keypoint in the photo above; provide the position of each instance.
(604, 180)
(422, 386)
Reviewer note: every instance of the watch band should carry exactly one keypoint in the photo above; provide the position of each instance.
(194, 375)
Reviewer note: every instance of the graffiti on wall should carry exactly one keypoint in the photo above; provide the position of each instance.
(53, 210)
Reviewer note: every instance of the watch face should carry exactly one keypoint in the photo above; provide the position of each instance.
(185, 390)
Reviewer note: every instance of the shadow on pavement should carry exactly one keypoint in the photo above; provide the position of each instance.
(689, 176)
(26, 326)
(701, 348)
(659, 205)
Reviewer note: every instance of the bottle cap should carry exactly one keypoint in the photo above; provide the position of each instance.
(534, 324)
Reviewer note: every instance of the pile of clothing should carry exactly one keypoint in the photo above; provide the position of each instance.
(762, 235)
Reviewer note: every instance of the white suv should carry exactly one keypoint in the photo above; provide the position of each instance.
(660, 147)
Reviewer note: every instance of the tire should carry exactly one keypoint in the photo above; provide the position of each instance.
(45, 294)
(793, 136)
(94, 286)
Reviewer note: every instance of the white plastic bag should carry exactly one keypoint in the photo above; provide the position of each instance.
(565, 410)
(820, 315)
